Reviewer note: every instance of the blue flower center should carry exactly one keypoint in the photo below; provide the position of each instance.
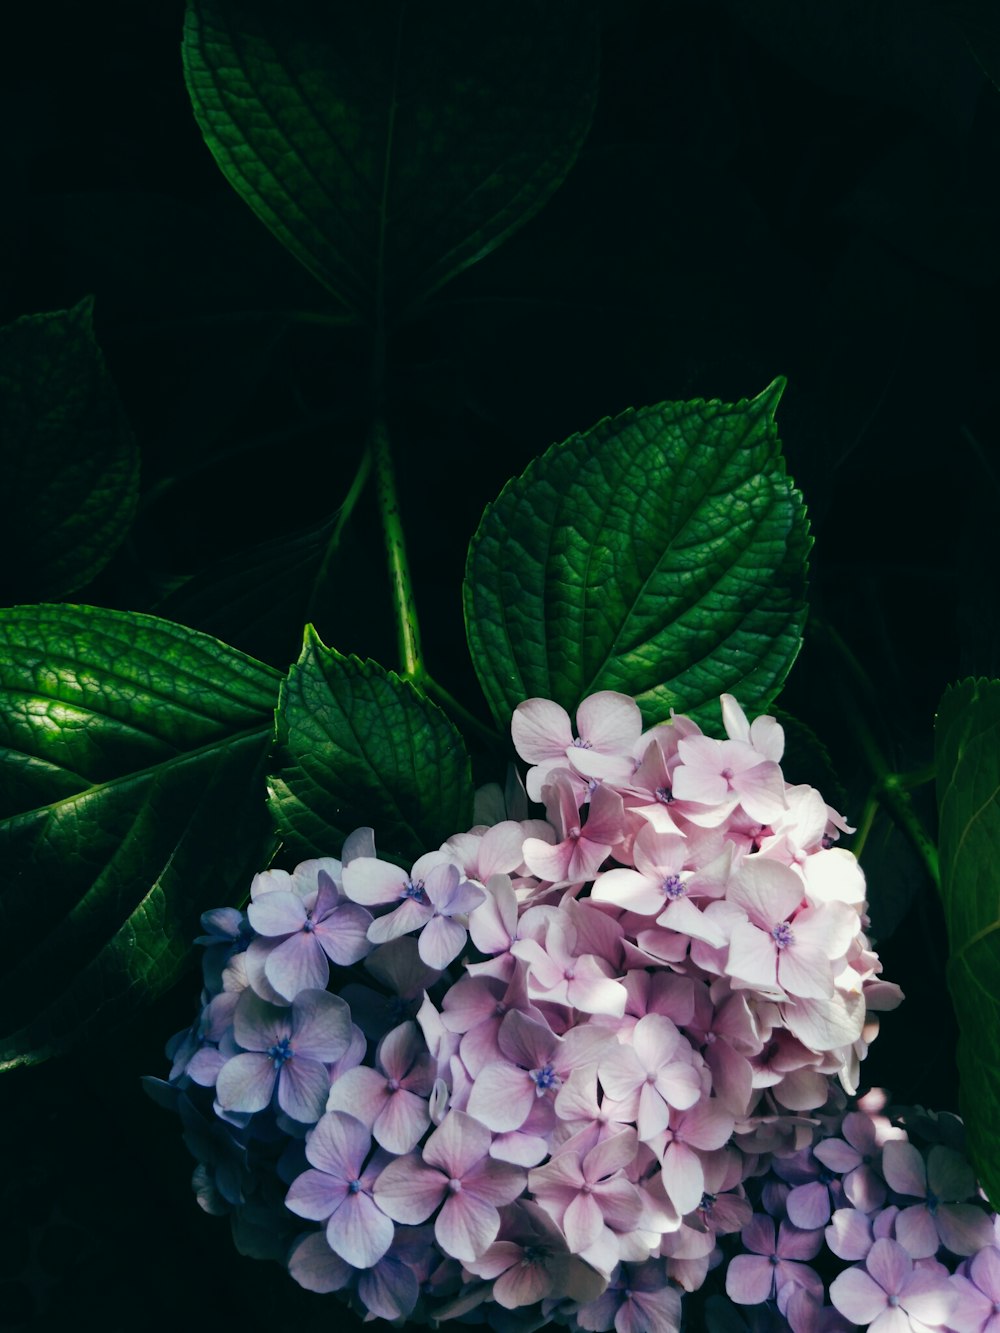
(782, 935)
(415, 891)
(707, 1203)
(355, 1186)
(664, 795)
(580, 744)
(544, 1078)
(932, 1202)
(309, 925)
(281, 1052)
(673, 887)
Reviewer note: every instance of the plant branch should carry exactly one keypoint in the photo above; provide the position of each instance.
(890, 787)
(333, 544)
(407, 627)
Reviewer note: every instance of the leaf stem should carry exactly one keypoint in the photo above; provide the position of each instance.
(459, 712)
(407, 626)
(890, 787)
(865, 824)
(343, 515)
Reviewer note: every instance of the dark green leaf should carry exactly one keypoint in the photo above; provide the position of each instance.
(69, 463)
(360, 746)
(894, 873)
(662, 553)
(967, 742)
(131, 799)
(906, 53)
(389, 145)
(257, 599)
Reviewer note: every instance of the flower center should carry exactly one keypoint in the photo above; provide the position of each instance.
(673, 887)
(354, 1186)
(455, 1185)
(280, 1052)
(415, 891)
(544, 1078)
(580, 744)
(782, 935)
(664, 795)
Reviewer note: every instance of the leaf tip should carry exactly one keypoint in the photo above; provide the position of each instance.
(768, 399)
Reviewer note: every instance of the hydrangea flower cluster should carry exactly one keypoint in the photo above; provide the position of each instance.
(555, 1059)
(904, 1239)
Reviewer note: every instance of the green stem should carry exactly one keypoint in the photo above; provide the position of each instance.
(407, 626)
(865, 825)
(333, 545)
(889, 786)
(470, 723)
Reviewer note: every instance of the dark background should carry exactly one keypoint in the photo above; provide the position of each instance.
(765, 191)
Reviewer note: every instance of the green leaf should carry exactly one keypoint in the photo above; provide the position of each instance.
(390, 145)
(258, 598)
(357, 746)
(662, 554)
(69, 463)
(967, 743)
(132, 798)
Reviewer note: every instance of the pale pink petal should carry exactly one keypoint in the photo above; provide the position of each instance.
(466, 1226)
(610, 721)
(369, 881)
(903, 1168)
(749, 1279)
(495, 1182)
(849, 1234)
(753, 957)
(809, 1205)
(408, 1191)
(837, 1155)
(344, 934)
(360, 1092)
(805, 972)
(766, 890)
(523, 1283)
(441, 940)
(582, 1222)
(502, 1097)
(303, 1086)
(683, 1177)
(359, 1231)
(278, 912)
(629, 890)
(314, 1266)
(890, 1265)
(458, 1143)
(964, 1229)
(245, 1082)
(297, 964)
(540, 729)
(985, 1271)
(401, 1122)
(321, 1026)
(338, 1145)
(653, 1115)
(315, 1195)
(928, 1297)
(857, 1296)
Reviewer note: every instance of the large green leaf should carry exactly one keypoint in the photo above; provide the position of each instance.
(967, 736)
(132, 798)
(69, 465)
(389, 145)
(662, 553)
(360, 746)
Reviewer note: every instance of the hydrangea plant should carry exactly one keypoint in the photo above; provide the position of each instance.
(583, 1045)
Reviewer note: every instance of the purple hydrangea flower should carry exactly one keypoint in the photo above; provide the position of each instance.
(286, 1049)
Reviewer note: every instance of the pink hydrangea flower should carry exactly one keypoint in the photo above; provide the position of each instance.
(890, 1295)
